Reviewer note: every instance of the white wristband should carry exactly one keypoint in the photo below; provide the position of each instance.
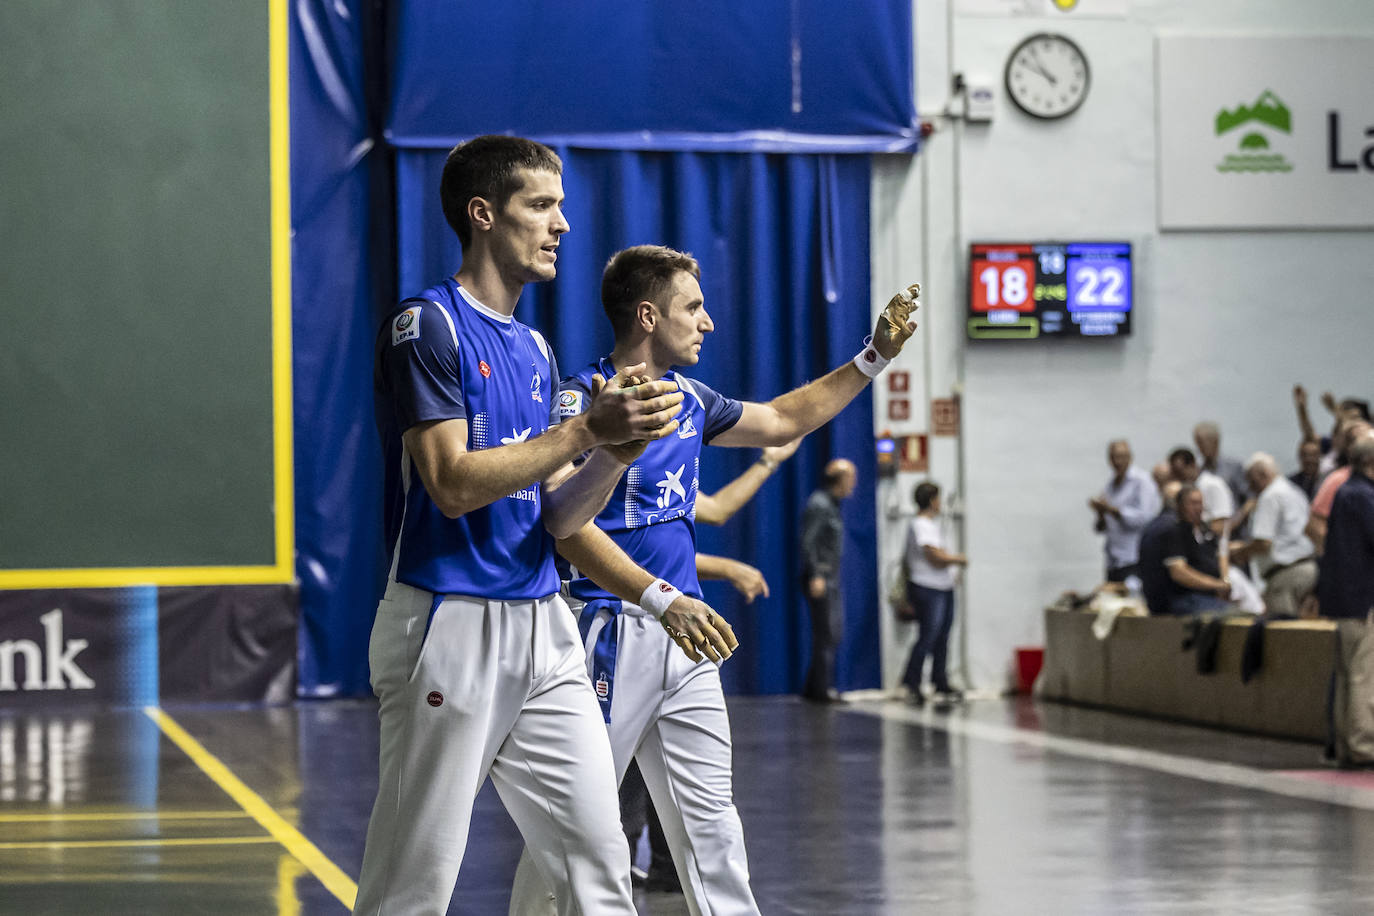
(869, 360)
(658, 596)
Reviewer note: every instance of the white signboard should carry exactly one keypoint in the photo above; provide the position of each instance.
(1265, 132)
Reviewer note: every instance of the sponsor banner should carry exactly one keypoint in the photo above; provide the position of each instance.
(143, 645)
(1270, 133)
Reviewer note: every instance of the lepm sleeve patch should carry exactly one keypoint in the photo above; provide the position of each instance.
(406, 326)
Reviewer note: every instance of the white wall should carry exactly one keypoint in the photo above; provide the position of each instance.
(1225, 322)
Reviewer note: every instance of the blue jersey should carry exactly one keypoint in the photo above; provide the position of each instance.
(441, 356)
(652, 513)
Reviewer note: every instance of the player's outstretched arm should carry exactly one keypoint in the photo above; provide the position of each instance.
(460, 481)
(803, 409)
(693, 625)
(718, 507)
(747, 580)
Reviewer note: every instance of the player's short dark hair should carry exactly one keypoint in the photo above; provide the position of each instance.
(644, 272)
(1183, 493)
(489, 167)
(925, 494)
(1183, 456)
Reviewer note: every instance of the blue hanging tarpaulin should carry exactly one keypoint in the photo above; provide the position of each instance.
(763, 76)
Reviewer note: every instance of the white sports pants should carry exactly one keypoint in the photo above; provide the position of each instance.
(669, 714)
(495, 688)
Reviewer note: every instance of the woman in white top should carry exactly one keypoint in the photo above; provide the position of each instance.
(932, 573)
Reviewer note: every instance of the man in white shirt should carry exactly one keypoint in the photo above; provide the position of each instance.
(1126, 505)
(1281, 552)
(1218, 504)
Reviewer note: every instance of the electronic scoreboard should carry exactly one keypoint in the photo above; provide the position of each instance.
(1020, 291)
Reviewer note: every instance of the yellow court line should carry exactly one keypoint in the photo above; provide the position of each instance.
(146, 841)
(329, 874)
(58, 817)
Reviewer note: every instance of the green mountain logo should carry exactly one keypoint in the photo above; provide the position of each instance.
(1267, 111)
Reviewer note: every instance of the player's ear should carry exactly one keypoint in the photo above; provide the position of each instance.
(646, 315)
(481, 214)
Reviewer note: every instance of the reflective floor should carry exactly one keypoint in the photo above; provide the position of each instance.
(998, 806)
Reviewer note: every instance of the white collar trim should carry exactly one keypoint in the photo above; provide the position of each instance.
(484, 309)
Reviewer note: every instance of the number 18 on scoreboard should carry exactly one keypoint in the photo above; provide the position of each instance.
(1049, 289)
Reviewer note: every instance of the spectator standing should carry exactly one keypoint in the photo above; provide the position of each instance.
(1346, 588)
(1282, 553)
(1123, 509)
(1350, 434)
(822, 542)
(934, 571)
(1207, 438)
(1308, 476)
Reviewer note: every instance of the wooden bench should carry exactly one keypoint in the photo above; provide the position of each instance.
(1141, 667)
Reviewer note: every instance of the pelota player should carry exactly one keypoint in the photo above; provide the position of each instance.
(474, 655)
(663, 710)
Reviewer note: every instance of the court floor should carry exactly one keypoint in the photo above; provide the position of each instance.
(997, 806)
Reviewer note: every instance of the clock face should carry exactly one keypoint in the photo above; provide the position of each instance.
(1047, 76)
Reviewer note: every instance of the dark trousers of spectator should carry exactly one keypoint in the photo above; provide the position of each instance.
(934, 618)
(1195, 603)
(637, 810)
(827, 623)
(1119, 573)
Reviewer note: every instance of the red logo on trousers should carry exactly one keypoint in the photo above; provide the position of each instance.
(435, 698)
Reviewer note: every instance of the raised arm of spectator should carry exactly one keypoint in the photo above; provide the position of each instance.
(1304, 421)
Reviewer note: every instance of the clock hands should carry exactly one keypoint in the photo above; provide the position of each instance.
(1040, 68)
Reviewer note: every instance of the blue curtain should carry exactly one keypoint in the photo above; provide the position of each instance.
(783, 246)
(334, 177)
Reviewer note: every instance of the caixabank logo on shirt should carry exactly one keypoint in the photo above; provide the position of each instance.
(1258, 131)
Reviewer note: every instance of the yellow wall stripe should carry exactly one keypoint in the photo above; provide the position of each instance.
(284, 494)
(329, 874)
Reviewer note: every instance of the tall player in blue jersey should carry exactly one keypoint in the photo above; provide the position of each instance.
(663, 710)
(475, 657)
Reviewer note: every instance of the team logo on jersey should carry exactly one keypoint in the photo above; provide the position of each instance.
(406, 326)
(534, 388)
(483, 368)
(686, 429)
(516, 436)
(435, 698)
(669, 485)
(603, 686)
(570, 403)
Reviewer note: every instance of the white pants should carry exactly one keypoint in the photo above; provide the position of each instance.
(669, 714)
(494, 688)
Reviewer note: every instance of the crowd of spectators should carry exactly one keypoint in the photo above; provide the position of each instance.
(1203, 531)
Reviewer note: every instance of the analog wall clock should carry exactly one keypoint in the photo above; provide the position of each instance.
(1047, 76)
